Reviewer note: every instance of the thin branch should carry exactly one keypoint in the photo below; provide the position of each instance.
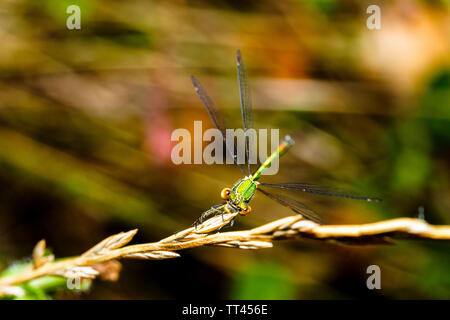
(88, 265)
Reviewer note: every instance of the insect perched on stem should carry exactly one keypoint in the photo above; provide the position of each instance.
(238, 197)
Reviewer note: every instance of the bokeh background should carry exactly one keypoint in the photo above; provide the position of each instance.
(86, 117)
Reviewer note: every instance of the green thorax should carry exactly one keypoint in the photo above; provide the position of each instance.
(242, 192)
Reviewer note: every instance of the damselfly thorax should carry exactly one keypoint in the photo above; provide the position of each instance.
(240, 195)
(242, 192)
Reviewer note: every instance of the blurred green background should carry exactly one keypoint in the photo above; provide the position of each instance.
(86, 117)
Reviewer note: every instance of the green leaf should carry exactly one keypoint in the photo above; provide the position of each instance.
(263, 280)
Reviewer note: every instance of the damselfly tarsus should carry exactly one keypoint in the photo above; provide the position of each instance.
(238, 197)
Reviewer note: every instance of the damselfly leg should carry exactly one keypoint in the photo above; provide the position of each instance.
(214, 210)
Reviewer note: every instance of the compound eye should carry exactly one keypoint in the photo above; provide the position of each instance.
(225, 194)
(246, 210)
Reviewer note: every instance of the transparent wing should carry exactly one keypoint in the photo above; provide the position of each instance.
(215, 115)
(321, 190)
(294, 205)
(246, 105)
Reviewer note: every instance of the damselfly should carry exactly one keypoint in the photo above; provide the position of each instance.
(237, 198)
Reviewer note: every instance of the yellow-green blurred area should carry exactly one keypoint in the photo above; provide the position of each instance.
(86, 118)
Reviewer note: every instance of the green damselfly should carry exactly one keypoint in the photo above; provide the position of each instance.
(237, 198)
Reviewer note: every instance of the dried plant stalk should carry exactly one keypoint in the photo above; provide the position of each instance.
(114, 247)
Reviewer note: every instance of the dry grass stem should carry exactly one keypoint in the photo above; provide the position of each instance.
(101, 260)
